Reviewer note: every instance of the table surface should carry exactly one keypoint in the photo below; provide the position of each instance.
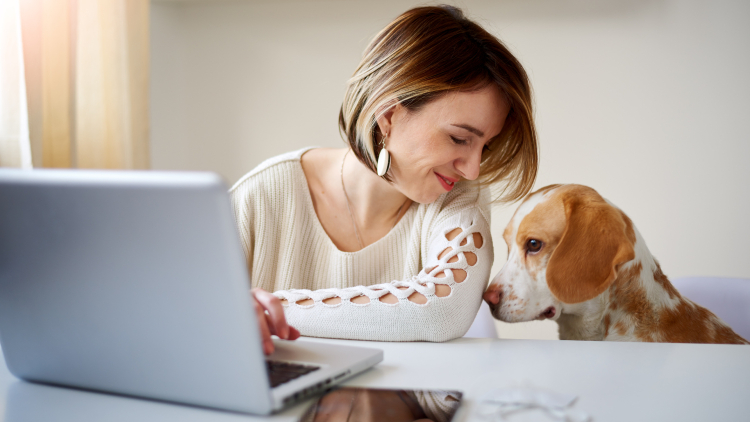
(613, 382)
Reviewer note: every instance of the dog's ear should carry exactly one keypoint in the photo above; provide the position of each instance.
(597, 240)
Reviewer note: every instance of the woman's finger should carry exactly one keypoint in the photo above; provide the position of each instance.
(265, 332)
(269, 323)
(272, 304)
(293, 333)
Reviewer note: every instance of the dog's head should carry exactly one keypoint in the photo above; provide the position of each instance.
(565, 245)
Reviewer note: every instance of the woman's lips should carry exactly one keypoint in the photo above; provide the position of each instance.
(446, 182)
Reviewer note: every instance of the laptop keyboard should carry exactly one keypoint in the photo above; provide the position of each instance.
(281, 372)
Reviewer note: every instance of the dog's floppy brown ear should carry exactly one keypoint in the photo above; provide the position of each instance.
(596, 241)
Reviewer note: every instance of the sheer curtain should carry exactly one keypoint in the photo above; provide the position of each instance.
(86, 79)
(14, 134)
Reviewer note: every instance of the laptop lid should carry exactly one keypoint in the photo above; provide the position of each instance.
(130, 282)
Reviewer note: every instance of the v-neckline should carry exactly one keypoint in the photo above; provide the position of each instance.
(319, 225)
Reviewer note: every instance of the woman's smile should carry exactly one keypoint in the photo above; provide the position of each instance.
(446, 182)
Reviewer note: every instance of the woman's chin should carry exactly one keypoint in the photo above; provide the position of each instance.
(426, 195)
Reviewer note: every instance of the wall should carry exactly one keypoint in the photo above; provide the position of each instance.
(646, 101)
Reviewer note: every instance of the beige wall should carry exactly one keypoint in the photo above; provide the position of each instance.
(647, 101)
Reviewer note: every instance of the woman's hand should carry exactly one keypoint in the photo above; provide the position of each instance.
(271, 319)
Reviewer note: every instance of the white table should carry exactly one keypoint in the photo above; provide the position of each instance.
(614, 382)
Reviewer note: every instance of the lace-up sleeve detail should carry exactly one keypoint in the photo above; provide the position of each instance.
(438, 304)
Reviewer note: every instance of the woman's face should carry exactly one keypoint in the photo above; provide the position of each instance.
(442, 142)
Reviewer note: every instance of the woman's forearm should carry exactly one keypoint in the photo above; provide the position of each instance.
(438, 304)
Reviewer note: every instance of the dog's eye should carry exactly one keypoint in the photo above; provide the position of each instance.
(533, 245)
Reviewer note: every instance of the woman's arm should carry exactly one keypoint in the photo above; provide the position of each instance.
(268, 309)
(438, 304)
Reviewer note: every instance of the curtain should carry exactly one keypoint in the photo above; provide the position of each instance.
(86, 70)
(14, 135)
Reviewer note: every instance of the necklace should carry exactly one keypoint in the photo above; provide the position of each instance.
(349, 206)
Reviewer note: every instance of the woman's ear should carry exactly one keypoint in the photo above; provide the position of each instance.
(597, 240)
(385, 120)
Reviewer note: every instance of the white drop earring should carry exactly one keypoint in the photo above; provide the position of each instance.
(384, 158)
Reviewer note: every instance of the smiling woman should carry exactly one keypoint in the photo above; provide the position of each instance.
(398, 247)
(426, 53)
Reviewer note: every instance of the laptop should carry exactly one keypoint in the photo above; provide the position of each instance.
(134, 282)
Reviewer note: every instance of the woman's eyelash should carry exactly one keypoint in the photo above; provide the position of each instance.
(458, 141)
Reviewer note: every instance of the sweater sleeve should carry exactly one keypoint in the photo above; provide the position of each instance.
(462, 263)
(244, 216)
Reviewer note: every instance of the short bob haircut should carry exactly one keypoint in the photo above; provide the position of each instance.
(425, 53)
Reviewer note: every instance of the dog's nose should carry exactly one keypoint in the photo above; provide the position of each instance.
(492, 295)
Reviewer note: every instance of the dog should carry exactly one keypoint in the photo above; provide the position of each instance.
(575, 258)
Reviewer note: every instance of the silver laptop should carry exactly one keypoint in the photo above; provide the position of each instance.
(135, 283)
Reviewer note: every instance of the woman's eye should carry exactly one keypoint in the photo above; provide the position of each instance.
(533, 245)
(458, 141)
(485, 148)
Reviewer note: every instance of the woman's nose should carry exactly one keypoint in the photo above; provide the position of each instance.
(469, 165)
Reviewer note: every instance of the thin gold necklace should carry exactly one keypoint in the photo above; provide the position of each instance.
(349, 206)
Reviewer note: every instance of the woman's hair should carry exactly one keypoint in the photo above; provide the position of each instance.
(430, 51)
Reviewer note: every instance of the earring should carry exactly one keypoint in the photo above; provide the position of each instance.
(384, 158)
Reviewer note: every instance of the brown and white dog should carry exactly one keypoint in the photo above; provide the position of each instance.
(577, 259)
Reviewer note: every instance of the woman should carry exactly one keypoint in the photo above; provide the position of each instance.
(389, 238)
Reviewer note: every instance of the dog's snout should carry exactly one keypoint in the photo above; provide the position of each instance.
(492, 295)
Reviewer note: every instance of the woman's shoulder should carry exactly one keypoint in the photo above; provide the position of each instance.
(271, 164)
(467, 203)
(465, 196)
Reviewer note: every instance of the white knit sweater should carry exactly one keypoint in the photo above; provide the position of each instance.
(289, 253)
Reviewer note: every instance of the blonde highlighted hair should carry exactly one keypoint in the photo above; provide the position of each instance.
(425, 53)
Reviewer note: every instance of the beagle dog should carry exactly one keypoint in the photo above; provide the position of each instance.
(575, 258)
